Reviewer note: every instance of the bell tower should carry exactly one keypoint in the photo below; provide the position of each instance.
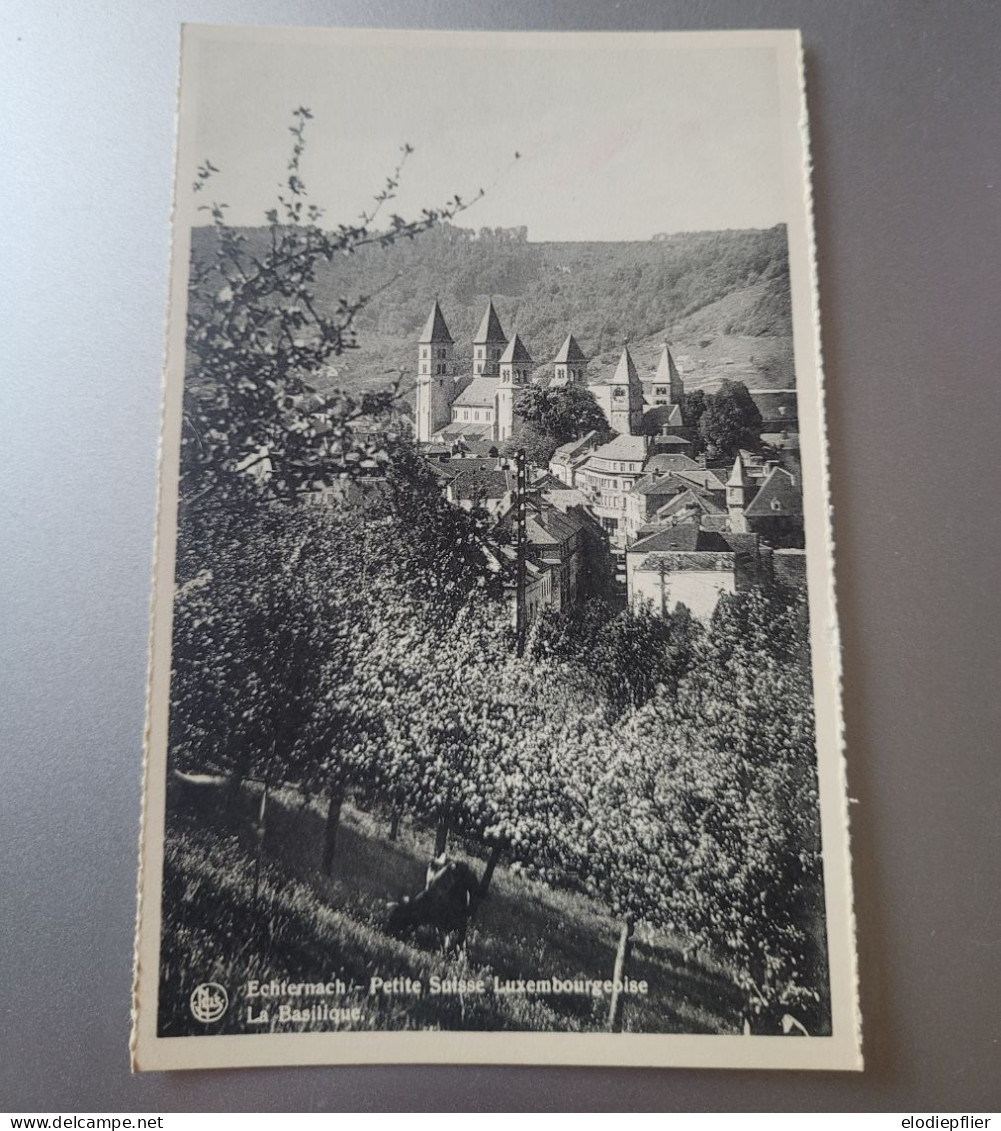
(569, 365)
(515, 373)
(488, 345)
(625, 412)
(435, 376)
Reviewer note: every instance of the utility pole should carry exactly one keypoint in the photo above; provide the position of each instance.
(521, 509)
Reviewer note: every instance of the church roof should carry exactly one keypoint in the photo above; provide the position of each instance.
(569, 351)
(666, 369)
(435, 329)
(490, 328)
(516, 351)
(479, 393)
(625, 372)
(466, 431)
(737, 475)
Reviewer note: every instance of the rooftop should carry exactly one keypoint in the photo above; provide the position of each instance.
(479, 393)
(624, 447)
(625, 372)
(569, 352)
(671, 461)
(435, 329)
(490, 330)
(779, 495)
(686, 538)
(723, 561)
(516, 351)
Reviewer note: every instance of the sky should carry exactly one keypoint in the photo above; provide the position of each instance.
(619, 140)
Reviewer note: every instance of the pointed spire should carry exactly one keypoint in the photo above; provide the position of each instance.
(666, 369)
(625, 371)
(569, 352)
(737, 475)
(515, 352)
(490, 331)
(435, 329)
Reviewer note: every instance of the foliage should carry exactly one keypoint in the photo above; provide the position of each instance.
(305, 925)
(666, 769)
(437, 553)
(714, 799)
(565, 412)
(730, 421)
(539, 446)
(261, 636)
(692, 407)
(623, 657)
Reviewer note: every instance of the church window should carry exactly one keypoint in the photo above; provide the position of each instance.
(424, 368)
(424, 353)
(479, 353)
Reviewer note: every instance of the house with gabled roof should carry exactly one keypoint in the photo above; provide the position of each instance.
(688, 565)
(568, 457)
(776, 511)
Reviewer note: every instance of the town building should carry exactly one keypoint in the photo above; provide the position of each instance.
(607, 476)
(686, 565)
(568, 457)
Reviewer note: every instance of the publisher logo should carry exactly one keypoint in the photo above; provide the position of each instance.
(209, 1002)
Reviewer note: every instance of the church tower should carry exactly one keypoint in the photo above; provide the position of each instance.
(624, 397)
(569, 365)
(435, 376)
(668, 377)
(488, 345)
(736, 497)
(515, 373)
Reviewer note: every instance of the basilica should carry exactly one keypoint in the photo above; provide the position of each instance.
(476, 400)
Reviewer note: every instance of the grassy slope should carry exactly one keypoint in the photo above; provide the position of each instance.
(728, 290)
(312, 927)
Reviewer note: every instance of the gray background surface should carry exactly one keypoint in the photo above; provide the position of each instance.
(905, 102)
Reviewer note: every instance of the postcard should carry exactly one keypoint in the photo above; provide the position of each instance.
(494, 700)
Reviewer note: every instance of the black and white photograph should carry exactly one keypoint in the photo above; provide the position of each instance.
(494, 702)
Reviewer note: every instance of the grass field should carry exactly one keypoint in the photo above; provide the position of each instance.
(306, 926)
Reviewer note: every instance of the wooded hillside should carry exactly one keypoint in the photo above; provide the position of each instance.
(721, 299)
